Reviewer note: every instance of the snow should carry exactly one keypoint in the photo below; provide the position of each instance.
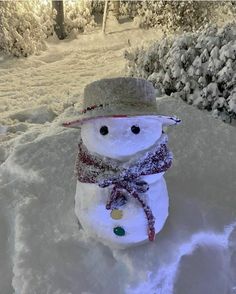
(213, 247)
(57, 76)
(43, 249)
(37, 115)
(50, 254)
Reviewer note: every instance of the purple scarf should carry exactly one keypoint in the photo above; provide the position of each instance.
(91, 168)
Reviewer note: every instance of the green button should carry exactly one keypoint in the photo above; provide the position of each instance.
(119, 231)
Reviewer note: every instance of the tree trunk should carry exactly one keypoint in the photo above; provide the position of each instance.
(59, 19)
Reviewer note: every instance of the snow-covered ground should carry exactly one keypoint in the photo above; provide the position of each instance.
(56, 78)
(42, 247)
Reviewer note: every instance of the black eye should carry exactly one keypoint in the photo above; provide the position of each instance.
(135, 129)
(104, 130)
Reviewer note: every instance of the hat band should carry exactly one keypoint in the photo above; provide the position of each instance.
(95, 106)
(92, 108)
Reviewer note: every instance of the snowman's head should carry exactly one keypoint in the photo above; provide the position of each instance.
(120, 138)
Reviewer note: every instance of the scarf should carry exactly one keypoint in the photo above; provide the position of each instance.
(125, 176)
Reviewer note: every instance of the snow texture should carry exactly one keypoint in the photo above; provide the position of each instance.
(43, 250)
(37, 115)
(57, 76)
(198, 67)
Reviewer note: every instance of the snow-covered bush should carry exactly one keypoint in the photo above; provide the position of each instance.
(177, 15)
(78, 16)
(172, 16)
(199, 67)
(24, 25)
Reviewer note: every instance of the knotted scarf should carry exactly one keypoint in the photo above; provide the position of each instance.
(124, 177)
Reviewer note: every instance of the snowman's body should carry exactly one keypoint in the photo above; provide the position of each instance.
(90, 199)
(90, 208)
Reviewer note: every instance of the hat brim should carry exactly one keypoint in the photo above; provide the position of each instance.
(165, 120)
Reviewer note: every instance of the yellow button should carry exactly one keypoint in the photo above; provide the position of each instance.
(116, 214)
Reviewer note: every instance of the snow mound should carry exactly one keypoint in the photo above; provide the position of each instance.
(36, 115)
(20, 127)
(198, 67)
(44, 250)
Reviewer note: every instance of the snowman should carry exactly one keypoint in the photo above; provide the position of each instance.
(121, 195)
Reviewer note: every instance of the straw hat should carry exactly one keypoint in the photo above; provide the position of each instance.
(119, 97)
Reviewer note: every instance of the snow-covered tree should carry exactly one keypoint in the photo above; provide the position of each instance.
(177, 15)
(24, 25)
(78, 16)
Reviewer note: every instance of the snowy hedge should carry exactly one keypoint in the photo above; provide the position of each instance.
(198, 67)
